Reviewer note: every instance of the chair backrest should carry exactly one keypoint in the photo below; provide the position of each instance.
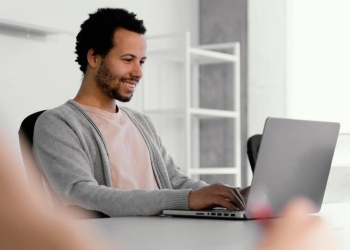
(34, 174)
(253, 145)
(27, 126)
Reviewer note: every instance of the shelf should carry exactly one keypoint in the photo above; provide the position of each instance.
(212, 113)
(176, 52)
(170, 55)
(197, 112)
(29, 29)
(217, 46)
(214, 171)
(198, 56)
(202, 56)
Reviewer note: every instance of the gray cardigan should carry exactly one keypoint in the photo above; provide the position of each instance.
(73, 157)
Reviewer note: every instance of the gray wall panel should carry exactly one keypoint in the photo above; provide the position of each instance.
(222, 21)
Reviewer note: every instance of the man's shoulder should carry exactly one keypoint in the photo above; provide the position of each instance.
(62, 112)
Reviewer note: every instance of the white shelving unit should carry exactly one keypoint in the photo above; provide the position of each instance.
(29, 30)
(177, 49)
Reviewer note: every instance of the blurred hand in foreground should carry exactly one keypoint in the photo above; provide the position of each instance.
(296, 230)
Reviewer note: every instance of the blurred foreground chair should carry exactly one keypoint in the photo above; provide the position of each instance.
(35, 177)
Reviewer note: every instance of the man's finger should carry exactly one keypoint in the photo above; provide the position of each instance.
(236, 191)
(232, 196)
(219, 201)
(237, 199)
(244, 192)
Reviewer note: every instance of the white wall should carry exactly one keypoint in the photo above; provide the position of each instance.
(37, 75)
(319, 61)
(266, 62)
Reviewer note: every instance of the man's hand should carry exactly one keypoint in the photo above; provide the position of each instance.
(216, 195)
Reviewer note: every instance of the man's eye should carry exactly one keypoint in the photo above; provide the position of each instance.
(142, 62)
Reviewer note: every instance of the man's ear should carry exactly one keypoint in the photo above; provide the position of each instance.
(92, 58)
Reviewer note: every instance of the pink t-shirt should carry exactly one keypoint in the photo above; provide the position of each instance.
(128, 153)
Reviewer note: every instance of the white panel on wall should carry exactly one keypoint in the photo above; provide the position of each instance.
(318, 58)
(266, 62)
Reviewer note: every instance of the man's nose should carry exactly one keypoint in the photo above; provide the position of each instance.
(137, 70)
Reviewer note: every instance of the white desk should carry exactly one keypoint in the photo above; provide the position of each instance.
(189, 233)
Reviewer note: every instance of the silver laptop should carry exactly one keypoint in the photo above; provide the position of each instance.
(294, 160)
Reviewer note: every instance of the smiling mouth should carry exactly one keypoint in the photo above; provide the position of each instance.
(130, 85)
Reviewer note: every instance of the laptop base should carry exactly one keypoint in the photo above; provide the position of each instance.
(217, 214)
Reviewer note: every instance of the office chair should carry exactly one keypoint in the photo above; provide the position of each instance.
(35, 177)
(253, 145)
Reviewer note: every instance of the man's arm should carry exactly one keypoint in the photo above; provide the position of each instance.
(202, 196)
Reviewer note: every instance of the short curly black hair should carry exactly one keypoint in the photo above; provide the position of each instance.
(98, 30)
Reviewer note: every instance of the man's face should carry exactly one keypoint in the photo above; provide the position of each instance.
(121, 69)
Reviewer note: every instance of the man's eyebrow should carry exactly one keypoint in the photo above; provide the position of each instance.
(133, 56)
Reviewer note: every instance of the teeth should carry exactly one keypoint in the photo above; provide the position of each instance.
(129, 84)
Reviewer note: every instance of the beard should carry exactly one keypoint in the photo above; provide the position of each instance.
(104, 79)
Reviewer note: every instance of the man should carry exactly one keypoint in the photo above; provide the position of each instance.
(101, 157)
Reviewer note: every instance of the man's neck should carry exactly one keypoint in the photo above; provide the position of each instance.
(94, 98)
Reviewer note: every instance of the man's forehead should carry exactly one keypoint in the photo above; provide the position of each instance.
(126, 36)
